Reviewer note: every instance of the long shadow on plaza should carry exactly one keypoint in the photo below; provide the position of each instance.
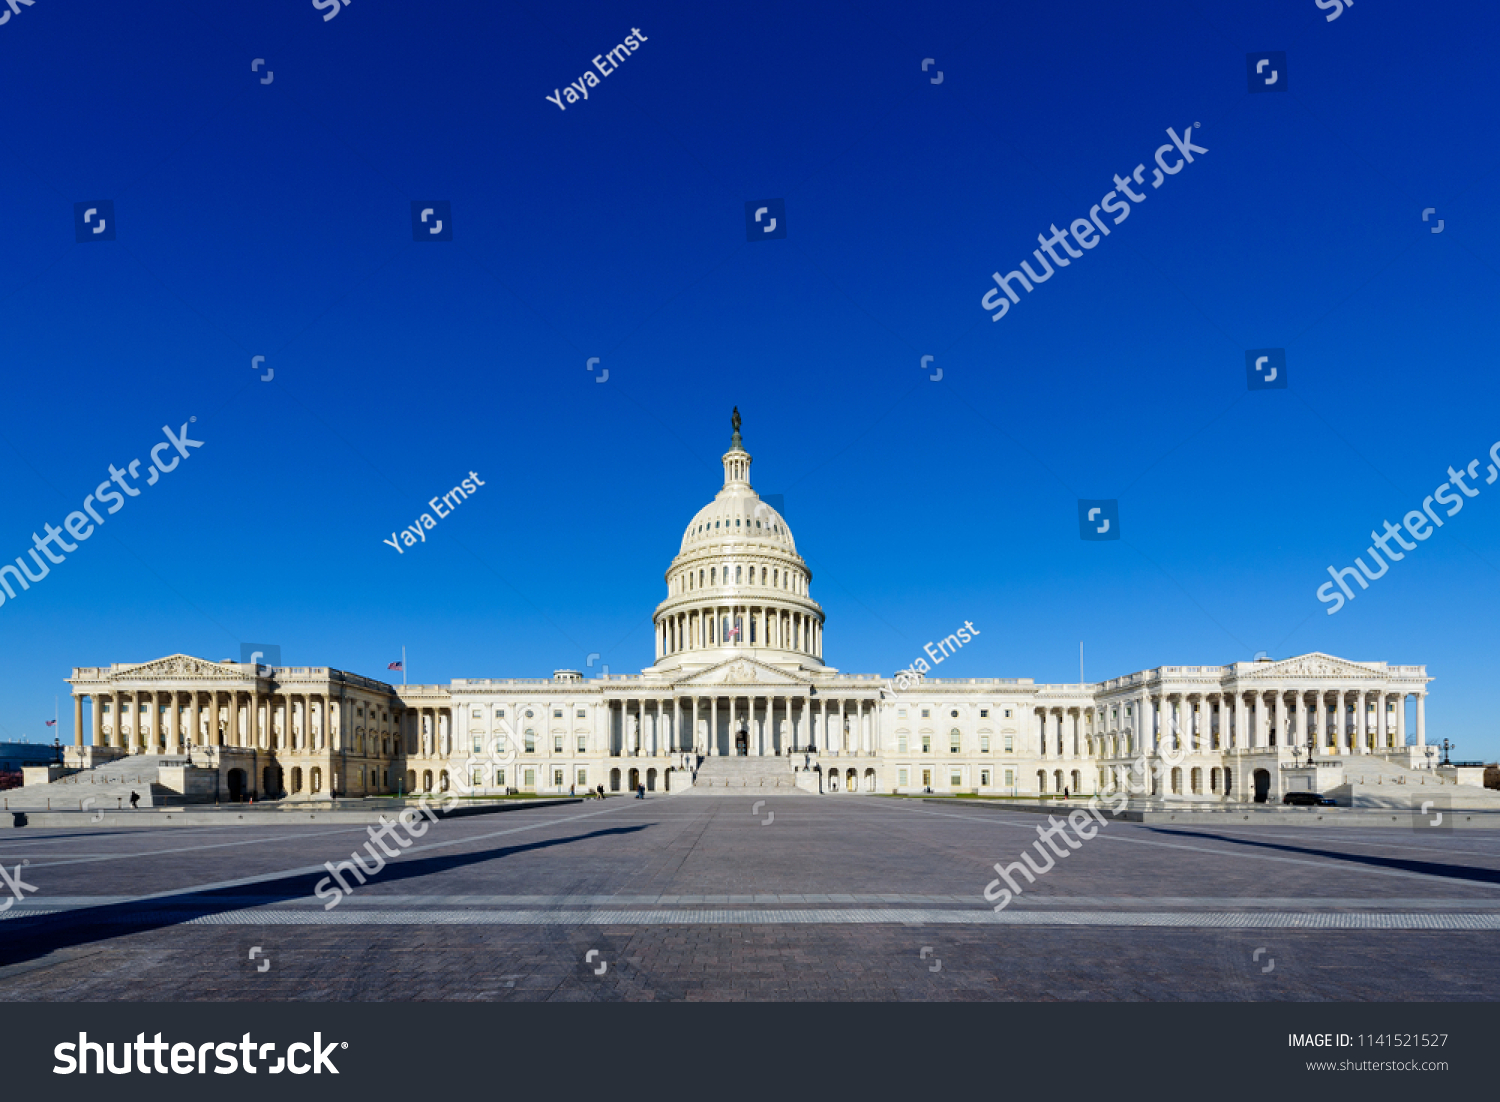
(35, 936)
(1403, 864)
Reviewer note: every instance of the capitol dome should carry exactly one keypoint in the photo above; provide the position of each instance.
(737, 587)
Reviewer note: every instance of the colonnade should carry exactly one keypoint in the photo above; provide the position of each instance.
(772, 723)
(753, 626)
(1340, 721)
(171, 720)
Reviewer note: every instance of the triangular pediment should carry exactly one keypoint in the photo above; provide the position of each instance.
(1315, 664)
(742, 671)
(180, 666)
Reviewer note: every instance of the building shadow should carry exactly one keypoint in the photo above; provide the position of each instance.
(27, 938)
(1473, 874)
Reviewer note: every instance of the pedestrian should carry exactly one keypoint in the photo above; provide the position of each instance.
(640, 792)
(134, 800)
(601, 792)
(1065, 792)
(570, 790)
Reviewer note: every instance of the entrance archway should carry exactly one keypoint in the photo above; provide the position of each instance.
(236, 785)
(614, 780)
(635, 779)
(651, 780)
(1262, 785)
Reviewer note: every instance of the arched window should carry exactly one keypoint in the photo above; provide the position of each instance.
(775, 578)
(700, 579)
(739, 572)
(763, 575)
(713, 575)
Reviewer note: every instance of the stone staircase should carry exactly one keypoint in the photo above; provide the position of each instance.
(736, 776)
(102, 788)
(1371, 781)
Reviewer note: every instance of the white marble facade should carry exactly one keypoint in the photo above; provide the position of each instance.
(740, 670)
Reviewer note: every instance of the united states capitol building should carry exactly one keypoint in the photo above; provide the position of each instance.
(741, 694)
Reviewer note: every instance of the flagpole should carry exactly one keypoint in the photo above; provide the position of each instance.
(403, 665)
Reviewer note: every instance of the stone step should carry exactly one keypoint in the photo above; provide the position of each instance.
(737, 774)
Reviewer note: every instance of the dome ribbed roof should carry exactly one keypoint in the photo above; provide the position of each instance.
(741, 516)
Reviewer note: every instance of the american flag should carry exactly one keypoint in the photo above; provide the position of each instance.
(52, 723)
(734, 632)
(396, 666)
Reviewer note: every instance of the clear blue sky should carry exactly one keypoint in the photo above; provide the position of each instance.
(275, 219)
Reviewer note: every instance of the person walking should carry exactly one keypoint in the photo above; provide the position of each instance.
(135, 800)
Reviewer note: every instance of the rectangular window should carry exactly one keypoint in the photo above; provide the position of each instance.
(499, 713)
(557, 781)
(926, 713)
(926, 744)
(580, 713)
(583, 778)
(901, 777)
(927, 778)
(984, 713)
(530, 743)
(984, 744)
(478, 744)
(557, 713)
(1007, 713)
(1010, 744)
(955, 778)
(900, 712)
(557, 744)
(478, 713)
(953, 743)
(1010, 778)
(900, 744)
(530, 782)
(984, 778)
(583, 744)
(478, 779)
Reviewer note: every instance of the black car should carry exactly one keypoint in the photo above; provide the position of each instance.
(1307, 799)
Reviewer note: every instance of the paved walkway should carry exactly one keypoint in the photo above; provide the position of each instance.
(764, 898)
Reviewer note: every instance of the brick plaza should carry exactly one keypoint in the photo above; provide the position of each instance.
(715, 898)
